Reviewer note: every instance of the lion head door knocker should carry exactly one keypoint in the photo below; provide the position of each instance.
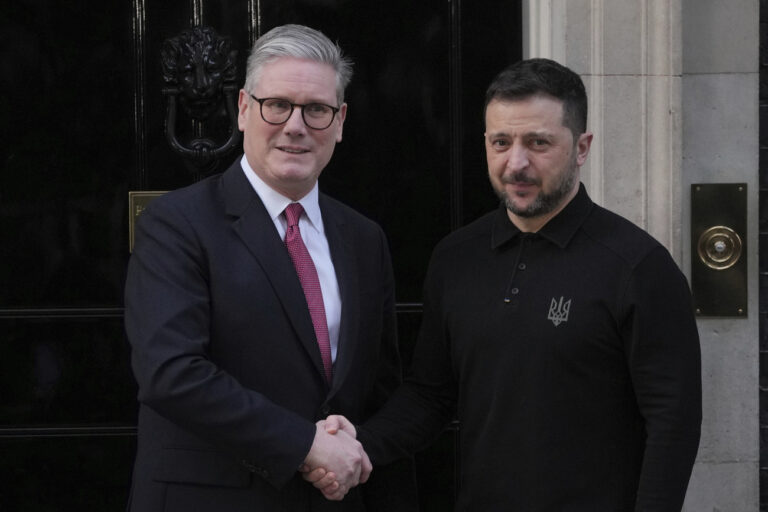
(199, 70)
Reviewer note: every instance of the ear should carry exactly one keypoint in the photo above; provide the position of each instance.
(582, 148)
(244, 108)
(341, 115)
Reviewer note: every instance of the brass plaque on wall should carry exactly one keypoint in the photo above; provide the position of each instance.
(137, 201)
(719, 249)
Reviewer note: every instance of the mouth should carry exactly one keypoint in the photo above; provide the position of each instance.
(520, 180)
(523, 184)
(293, 150)
(520, 187)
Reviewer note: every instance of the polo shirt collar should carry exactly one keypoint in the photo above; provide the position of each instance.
(560, 228)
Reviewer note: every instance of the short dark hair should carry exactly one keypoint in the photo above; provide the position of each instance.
(533, 77)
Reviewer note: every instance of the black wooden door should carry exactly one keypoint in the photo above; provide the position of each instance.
(83, 117)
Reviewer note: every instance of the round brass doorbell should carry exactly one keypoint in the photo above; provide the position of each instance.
(719, 247)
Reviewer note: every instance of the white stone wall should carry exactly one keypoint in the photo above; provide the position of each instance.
(720, 144)
(673, 88)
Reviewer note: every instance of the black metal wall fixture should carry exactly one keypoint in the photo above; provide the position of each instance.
(719, 249)
(200, 73)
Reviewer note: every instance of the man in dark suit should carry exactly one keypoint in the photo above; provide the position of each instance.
(256, 306)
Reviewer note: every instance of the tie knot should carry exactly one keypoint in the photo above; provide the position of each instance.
(292, 213)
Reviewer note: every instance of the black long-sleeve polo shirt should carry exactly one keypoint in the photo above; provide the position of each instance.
(571, 359)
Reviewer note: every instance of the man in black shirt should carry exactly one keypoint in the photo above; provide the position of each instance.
(560, 334)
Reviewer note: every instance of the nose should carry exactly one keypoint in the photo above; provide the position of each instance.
(517, 158)
(295, 123)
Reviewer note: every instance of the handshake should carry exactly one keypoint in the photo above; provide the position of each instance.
(336, 462)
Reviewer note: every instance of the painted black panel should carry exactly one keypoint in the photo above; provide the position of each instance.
(57, 372)
(66, 474)
(491, 40)
(66, 124)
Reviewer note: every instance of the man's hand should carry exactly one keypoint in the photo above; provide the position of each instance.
(336, 462)
(335, 423)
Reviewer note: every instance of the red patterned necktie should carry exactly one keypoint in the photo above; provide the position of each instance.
(307, 273)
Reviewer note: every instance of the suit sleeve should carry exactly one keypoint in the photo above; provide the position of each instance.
(392, 486)
(167, 318)
(421, 408)
(662, 347)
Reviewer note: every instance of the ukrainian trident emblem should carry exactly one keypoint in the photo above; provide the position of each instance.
(558, 311)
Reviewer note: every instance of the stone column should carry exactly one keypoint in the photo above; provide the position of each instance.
(628, 53)
(721, 145)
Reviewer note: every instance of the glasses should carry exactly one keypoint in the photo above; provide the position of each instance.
(317, 116)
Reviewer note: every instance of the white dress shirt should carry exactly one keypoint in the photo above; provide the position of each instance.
(313, 235)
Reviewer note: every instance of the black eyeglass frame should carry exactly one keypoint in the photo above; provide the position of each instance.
(260, 101)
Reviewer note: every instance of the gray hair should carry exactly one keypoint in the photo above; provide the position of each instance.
(299, 42)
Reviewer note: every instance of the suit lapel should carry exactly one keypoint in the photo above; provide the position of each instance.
(340, 241)
(257, 231)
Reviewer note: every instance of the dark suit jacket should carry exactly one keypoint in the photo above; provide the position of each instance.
(224, 352)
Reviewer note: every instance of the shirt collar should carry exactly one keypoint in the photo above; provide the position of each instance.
(275, 202)
(560, 228)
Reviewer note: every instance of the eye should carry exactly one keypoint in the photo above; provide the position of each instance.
(278, 105)
(539, 143)
(316, 109)
(500, 143)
